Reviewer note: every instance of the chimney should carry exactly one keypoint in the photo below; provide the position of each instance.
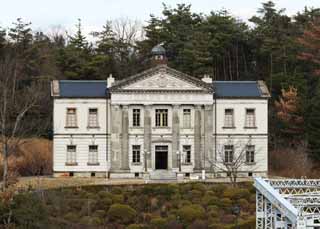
(110, 81)
(55, 89)
(207, 79)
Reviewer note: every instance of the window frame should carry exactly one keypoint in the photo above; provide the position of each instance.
(136, 119)
(161, 117)
(94, 155)
(136, 154)
(71, 155)
(184, 116)
(230, 154)
(250, 154)
(75, 124)
(97, 118)
(226, 124)
(188, 154)
(246, 124)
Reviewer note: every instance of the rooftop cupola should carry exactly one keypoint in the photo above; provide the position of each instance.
(159, 54)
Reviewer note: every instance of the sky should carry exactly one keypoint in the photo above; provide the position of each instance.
(48, 15)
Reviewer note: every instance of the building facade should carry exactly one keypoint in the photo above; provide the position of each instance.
(160, 123)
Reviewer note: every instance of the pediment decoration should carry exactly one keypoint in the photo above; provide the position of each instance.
(162, 79)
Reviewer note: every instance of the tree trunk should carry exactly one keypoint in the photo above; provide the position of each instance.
(5, 166)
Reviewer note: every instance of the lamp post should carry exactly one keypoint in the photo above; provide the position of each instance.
(236, 212)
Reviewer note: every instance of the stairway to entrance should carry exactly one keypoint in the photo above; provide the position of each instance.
(163, 175)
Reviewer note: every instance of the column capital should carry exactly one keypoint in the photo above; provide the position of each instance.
(176, 106)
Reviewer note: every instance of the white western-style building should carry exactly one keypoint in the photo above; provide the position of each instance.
(160, 123)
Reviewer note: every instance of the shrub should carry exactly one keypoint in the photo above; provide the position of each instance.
(198, 224)
(136, 226)
(117, 199)
(70, 216)
(250, 223)
(190, 213)
(100, 213)
(199, 187)
(158, 223)
(122, 213)
(93, 221)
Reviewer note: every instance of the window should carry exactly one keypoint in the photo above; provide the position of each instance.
(71, 155)
(187, 118)
(228, 153)
(187, 153)
(136, 117)
(162, 117)
(250, 118)
(93, 117)
(71, 117)
(136, 153)
(228, 118)
(93, 155)
(249, 154)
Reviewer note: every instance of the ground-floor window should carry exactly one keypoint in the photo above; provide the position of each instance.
(228, 153)
(71, 155)
(136, 151)
(187, 153)
(250, 154)
(93, 155)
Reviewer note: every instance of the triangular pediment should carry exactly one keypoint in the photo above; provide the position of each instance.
(162, 78)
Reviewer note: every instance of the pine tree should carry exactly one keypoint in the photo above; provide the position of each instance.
(289, 112)
(313, 134)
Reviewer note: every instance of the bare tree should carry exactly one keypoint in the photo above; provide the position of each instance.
(232, 158)
(18, 98)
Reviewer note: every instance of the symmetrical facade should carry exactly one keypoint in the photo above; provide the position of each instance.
(159, 123)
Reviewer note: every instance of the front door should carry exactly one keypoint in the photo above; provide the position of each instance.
(161, 155)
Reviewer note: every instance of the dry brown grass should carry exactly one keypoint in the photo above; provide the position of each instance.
(32, 158)
(292, 163)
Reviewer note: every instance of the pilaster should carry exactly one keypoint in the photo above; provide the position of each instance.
(175, 135)
(197, 137)
(147, 133)
(125, 139)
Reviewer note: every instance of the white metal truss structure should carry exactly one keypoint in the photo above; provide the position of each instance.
(287, 203)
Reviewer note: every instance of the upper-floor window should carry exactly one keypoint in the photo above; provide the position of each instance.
(136, 117)
(93, 155)
(250, 118)
(71, 120)
(187, 118)
(93, 117)
(71, 158)
(228, 118)
(187, 151)
(228, 153)
(250, 154)
(136, 151)
(162, 117)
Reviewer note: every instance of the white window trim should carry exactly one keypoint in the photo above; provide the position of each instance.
(93, 127)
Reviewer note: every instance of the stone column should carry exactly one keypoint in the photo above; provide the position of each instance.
(147, 133)
(197, 137)
(175, 135)
(115, 138)
(125, 139)
(208, 132)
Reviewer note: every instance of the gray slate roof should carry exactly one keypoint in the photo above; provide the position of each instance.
(82, 88)
(237, 89)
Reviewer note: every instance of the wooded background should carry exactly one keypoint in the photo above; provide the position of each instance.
(280, 49)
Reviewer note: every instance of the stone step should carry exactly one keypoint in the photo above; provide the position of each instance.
(163, 175)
